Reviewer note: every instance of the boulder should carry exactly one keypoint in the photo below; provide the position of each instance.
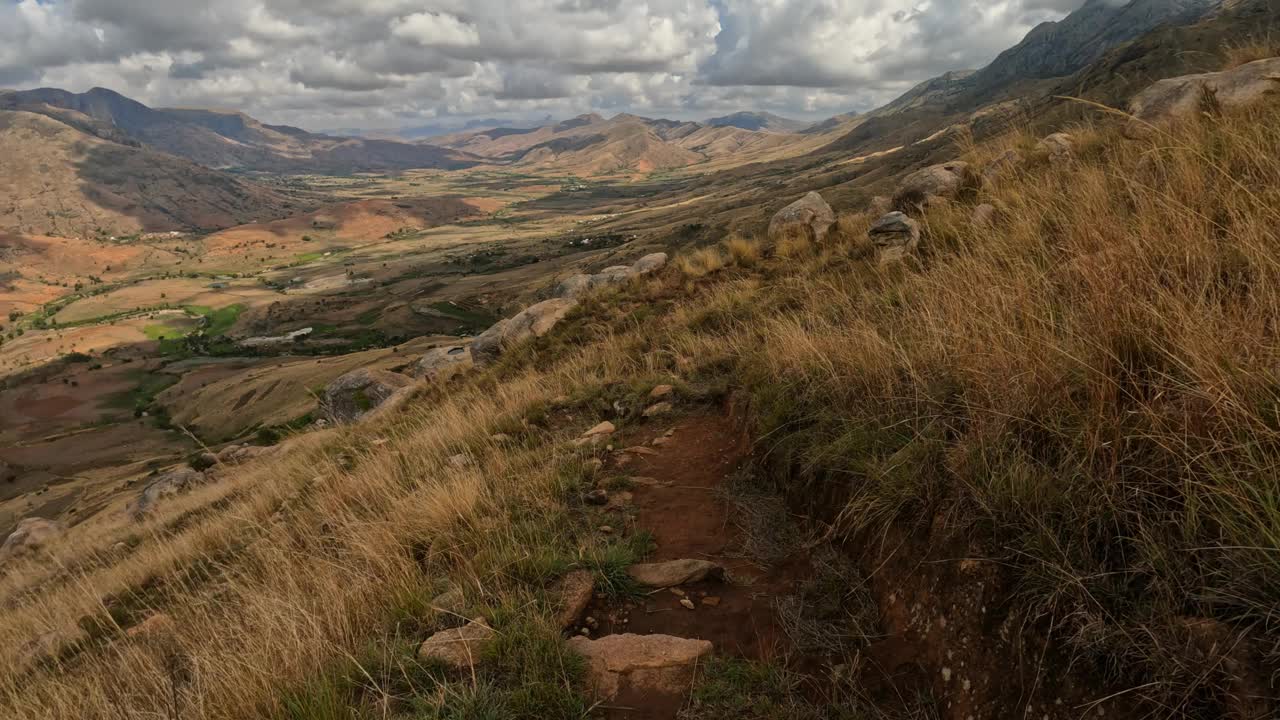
(894, 235)
(575, 286)
(442, 364)
(32, 535)
(534, 321)
(459, 648)
(1186, 95)
(361, 391)
(604, 428)
(640, 666)
(941, 181)
(575, 590)
(810, 215)
(452, 601)
(661, 391)
(650, 263)
(659, 409)
(1057, 146)
(164, 486)
(674, 572)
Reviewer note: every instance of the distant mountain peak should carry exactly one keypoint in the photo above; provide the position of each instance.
(757, 122)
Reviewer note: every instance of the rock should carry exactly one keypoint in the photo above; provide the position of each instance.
(661, 391)
(640, 450)
(163, 486)
(534, 321)
(596, 497)
(576, 590)
(238, 454)
(461, 460)
(942, 181)
(361, 391)
(984, 217)
(1182, 96)
(604, 428)
(640, 665)
(575, 286)
(894, 235)
(809, 215)
(662, 408)
(650, 263)
(451, 601)
(711, 601)
(1057, 146)
(674, 572)
(442, 364)
(32, 535)
(459, 648)
(687, 603)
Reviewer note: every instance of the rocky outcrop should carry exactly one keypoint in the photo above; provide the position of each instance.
(1182, 96)
(32, 535)
(936, 181)
(164, 486)
(443, 363)
(640, 665)
(534, 321)
(674, 572)
(1058, 147)
(810, 215)
(576, 286)
(894, 235)
(360, 392)
(459, 648)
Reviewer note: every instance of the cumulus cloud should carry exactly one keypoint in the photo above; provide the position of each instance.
(385, 63)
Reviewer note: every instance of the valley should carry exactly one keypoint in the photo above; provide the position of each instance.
(957, 406)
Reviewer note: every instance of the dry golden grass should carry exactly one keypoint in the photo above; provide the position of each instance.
(1091, 387)
(1246, 51)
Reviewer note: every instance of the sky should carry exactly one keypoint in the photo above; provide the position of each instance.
(382, 64)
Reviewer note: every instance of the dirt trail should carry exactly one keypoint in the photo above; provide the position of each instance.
(676, 497)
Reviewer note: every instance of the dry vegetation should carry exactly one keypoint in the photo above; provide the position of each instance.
(1090, 389)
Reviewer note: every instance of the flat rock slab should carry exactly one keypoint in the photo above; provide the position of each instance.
(674, 572)
(459, 648)
(576, 590)
(635, 665)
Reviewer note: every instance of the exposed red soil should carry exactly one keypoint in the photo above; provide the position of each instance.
(688, 518)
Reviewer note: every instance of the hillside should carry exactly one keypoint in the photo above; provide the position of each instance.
(758, 121)
(60, 180)
(228, 139)
(978, 466)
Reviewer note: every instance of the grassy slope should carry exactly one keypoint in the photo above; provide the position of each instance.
(1090, 390)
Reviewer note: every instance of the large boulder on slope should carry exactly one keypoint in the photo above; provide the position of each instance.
(460, 648)
(1177, 97)
(32, 535)
(575, 286)
(534, 321)
(894, 235)
(809, 215)
(443, 363)
(164, 486)
(360, 392)
(936, 181)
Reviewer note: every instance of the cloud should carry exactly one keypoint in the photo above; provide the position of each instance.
(383, 63)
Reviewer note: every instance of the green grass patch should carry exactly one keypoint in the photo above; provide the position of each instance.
(220, 320)
(149, 385)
